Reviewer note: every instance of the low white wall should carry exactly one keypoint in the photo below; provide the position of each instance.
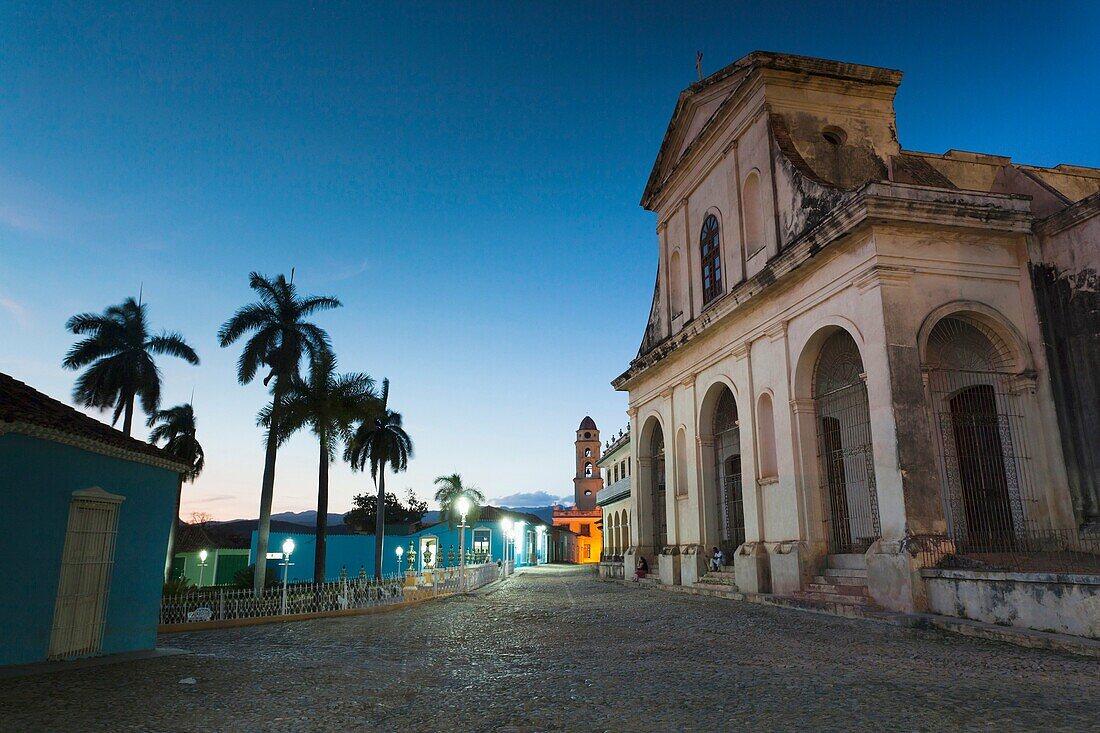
(611, 569)
(1059, 602)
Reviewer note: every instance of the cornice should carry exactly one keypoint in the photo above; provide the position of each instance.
(883, 275)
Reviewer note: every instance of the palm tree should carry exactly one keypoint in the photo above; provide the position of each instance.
(379, 440)
(448, 493)
(280, 338)
(118, 351)
(175, 427)
(328, 404)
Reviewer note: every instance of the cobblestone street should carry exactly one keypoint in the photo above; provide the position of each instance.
(558, 649)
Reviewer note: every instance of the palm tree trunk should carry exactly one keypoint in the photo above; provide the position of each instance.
(380, 522)
(172, 532)
(322, 515)
(128, 416)
(267, 493)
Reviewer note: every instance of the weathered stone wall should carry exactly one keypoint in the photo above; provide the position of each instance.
(1063, 603)
(1067, 291)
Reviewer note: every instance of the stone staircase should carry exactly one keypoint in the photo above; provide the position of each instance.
(718, 582)
(843, 581)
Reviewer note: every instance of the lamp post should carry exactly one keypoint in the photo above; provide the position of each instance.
(288, 548)
(400, 551)
(463, 506)
(506, 525)
(203, 554)
(519, 548)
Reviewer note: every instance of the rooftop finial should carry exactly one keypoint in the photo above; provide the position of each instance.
(699, 64)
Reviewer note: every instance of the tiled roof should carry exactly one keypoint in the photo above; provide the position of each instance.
(21, 405)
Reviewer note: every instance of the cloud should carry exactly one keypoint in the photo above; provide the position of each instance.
(20, 220)
(531, 498)
(347, 272)
(14, 309)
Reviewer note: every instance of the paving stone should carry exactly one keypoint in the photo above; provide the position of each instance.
(558, 649)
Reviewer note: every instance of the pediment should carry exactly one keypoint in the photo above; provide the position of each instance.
(696, 108)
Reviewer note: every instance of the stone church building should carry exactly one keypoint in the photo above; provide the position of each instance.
(859, 358)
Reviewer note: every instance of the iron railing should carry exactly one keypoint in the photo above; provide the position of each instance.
(224, 603)
(1028, 551)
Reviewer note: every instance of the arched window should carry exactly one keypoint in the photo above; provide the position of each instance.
(711, 258)
(676, 298)
(588, 470)
(753, 208)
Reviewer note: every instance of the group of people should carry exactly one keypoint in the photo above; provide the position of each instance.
(717, 560)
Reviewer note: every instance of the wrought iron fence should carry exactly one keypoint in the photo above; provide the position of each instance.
(224, 603)
(1027, 551)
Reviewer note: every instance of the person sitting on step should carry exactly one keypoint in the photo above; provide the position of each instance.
(641, 570)
(716, 559)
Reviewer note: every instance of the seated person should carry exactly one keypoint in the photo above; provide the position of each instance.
(716, 559)
(641, 570)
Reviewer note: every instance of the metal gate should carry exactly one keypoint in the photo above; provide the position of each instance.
(727, 474)
(978, 420)
(845, 455)
(660, 523)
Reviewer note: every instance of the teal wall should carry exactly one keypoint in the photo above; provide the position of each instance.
(221, 565)
(37, 479)
(357, 550)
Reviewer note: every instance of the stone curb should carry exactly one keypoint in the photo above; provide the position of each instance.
(1029, 638)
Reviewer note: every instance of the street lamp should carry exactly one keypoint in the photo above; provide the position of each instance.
(203, 554)
(463, 506)
(506, 525)
(288, 548)
(400, 551)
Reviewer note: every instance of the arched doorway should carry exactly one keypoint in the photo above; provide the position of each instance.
(727, 474)
(970, 387)
(844, 446)
(657, 481)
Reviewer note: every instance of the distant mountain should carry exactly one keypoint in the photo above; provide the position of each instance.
(308, 518)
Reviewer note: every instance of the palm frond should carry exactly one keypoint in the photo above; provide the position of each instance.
(173, 344)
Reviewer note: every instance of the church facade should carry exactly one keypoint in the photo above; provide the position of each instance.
(858, 358)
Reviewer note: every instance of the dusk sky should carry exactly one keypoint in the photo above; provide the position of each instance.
(465, 178)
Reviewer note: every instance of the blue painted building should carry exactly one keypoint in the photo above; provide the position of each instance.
(86, 514)
(432, 543)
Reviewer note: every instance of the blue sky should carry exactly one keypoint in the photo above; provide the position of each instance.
(465, 178)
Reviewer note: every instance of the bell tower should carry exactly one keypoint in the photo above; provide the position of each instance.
(588, 480)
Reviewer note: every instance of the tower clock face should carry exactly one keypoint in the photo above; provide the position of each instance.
(587, 436)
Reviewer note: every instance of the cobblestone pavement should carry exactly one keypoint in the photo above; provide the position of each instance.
(558, 649)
